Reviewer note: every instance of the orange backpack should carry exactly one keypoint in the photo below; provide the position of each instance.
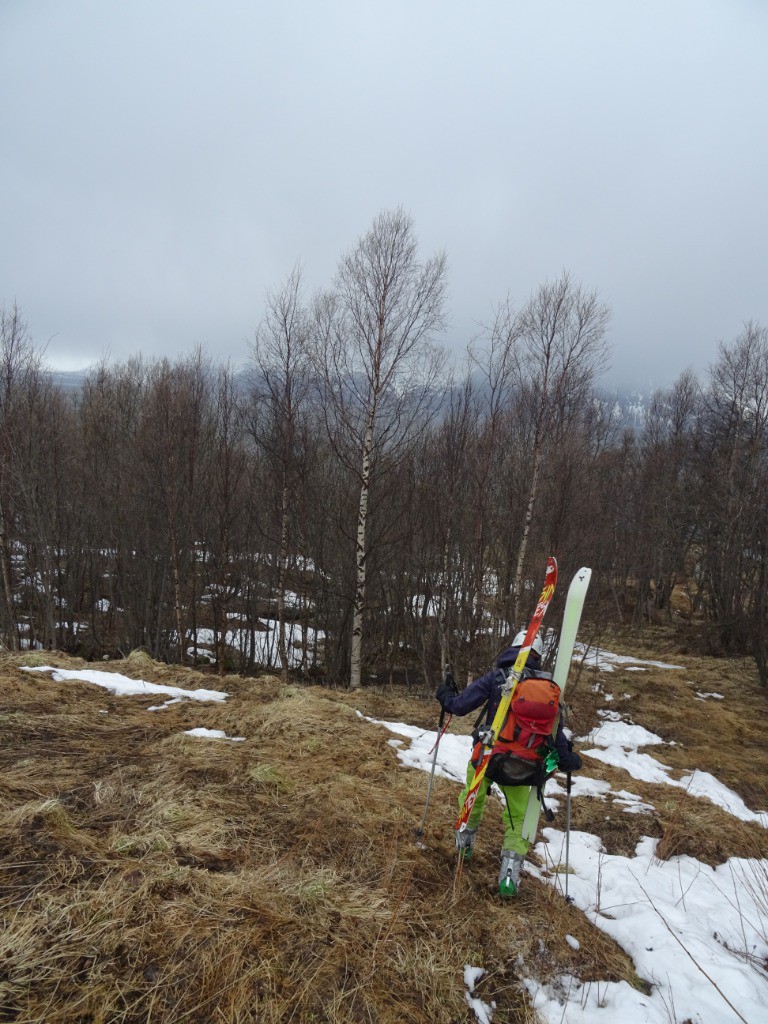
(527, 735)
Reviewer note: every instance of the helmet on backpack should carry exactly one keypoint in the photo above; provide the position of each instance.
(537, 647)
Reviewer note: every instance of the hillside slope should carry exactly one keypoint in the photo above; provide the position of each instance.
(149, 874)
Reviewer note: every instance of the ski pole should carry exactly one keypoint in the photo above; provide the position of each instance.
(449, 681)
(567, 832)
(420, 829)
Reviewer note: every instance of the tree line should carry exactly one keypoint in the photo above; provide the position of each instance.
(371, 507)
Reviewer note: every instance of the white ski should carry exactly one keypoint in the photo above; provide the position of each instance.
(574, 604)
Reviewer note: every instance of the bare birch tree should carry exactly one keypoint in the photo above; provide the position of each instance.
(224, 490)
(733, 468)
(378, 365)
(494, 358)
(280, 391)
(175, 426)
(562, 334)
(20, 375)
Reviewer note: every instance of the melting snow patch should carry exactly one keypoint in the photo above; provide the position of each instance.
(123, 686)
(631, 803)
(213, 734)
(606, 661)
(703, 784)
(619, 742)
(617, 733)
(622, 1002)
(167, 704)
(693, 931)
(452, 755)
(610, 716)
(482, 1011)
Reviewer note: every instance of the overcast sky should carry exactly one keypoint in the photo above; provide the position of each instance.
(163, 163)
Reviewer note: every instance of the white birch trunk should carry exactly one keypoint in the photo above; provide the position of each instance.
(176, 574)
(515, 624)
(356, 658)
(13, 638)
(281, 580)
(443, 615)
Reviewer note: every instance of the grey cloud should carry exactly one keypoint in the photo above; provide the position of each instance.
(163, 164)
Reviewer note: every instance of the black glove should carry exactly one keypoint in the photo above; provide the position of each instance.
(443, 692)
(572, 764)
(447, 688)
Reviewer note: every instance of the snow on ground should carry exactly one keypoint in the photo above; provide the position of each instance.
(698, 935)
(262, 643)
(482, 1011)
(619, 742)
(606, 661)
(690, 929)
(124, 686)
(616, 732)
(213, 734)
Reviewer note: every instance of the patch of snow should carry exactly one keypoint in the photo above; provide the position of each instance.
(123, 686)
(617, 732)
(606, 661)
(482, 1011)
(213, 734)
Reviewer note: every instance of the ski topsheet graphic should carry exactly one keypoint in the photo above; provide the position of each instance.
(508, 691)
(574, 604)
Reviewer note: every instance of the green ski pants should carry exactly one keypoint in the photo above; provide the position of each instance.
(513, 810)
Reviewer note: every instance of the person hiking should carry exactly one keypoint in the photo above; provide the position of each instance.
(505, 768)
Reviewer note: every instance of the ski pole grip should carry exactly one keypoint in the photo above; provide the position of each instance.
(448, 679)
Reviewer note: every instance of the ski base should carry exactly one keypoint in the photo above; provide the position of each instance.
(574, 603)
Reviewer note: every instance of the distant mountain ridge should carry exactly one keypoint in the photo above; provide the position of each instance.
(629, 407)
(68, 380)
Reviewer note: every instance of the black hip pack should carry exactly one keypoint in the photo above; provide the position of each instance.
(510, 770)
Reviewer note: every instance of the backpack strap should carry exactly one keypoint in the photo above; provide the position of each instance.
(501, 678)
(479, 718)
(561, 717)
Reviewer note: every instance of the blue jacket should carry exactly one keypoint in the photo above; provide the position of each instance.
(488, 687)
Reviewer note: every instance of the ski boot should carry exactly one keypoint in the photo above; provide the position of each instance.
(509, 875)
(465, 841)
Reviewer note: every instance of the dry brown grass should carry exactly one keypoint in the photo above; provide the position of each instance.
(149, 876)
(146, 875)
